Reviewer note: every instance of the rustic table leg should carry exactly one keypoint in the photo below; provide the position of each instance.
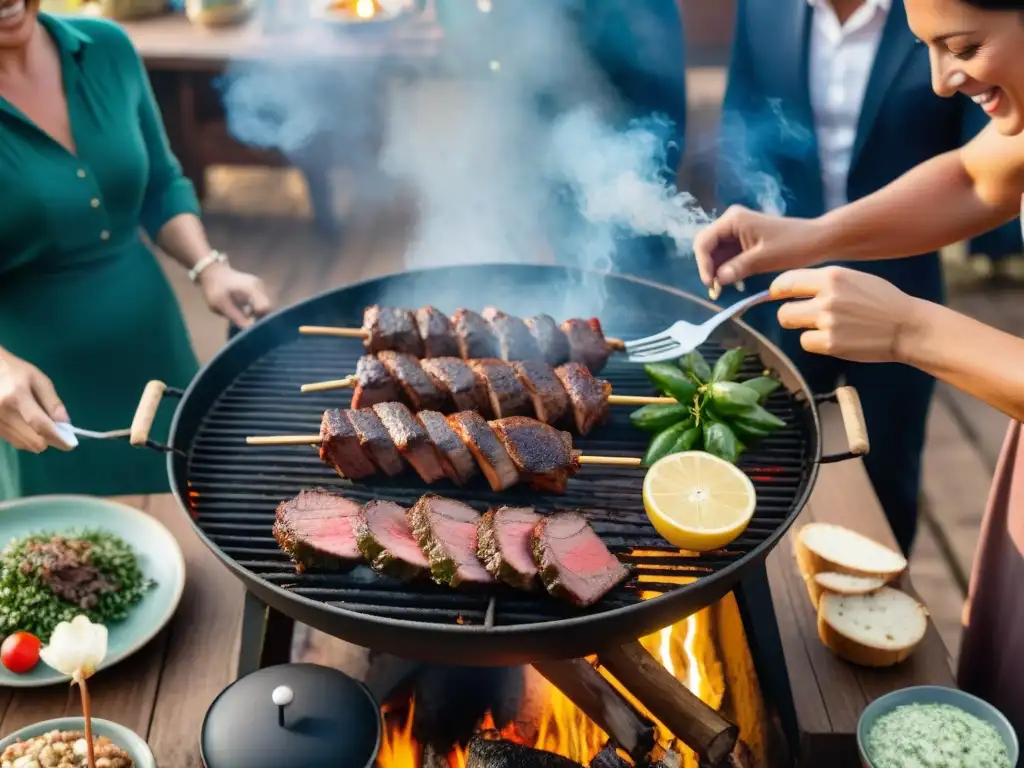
(266, 636)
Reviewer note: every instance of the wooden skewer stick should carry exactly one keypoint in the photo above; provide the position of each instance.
(359, 333)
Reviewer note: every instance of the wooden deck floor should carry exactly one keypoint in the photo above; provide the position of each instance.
(261, 218)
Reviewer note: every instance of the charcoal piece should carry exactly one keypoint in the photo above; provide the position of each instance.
(608, 758)
(499, 753)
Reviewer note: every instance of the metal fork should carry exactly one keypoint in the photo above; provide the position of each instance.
(681, 337)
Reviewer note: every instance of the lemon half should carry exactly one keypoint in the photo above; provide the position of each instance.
(698, 501)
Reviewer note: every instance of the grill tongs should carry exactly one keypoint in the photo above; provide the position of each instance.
(137, 434)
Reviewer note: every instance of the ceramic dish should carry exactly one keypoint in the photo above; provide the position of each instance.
(123, 737)
(935, 694)
(159, 557)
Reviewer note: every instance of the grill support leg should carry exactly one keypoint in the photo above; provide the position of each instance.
(266, 636)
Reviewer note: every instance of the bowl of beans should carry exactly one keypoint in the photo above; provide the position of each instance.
(61, 743)
(937, 727)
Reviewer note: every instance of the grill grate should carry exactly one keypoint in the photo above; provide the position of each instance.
(236, 488)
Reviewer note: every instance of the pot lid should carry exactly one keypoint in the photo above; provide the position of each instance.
(292, 714)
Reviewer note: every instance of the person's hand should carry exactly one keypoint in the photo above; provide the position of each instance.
(743, 242)
(238, 296)
(29, 406)
(847, 314)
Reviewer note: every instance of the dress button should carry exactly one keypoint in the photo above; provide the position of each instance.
(104, 235)
(95, 202)
(81, 173)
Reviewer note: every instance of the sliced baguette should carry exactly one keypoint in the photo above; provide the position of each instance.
(876, 630)
(826, 548)
(841, 584)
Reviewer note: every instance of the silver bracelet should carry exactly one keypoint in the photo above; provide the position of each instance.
(214, 257)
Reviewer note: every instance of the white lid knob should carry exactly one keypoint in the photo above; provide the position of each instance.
(282, 696)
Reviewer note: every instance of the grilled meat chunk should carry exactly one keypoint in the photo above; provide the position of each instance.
(456, 460)
(385, 540)
(391, 329)
(551, 340)
(411, 440)
(504, 545)
(376, 441)
(373, 384)
(453, 376)
(542, 454)
(446, 531)
(574, 564)
(492, 459)
(474, 334)
(587, 395)
(341, 447)
(586, 344)
(550, 402)
(437, 333)
(419, 390)
(507, 395)
(515, 342)
(316, 529)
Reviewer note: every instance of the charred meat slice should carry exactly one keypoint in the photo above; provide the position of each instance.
(316, 529)
(376, 441)
(507, 395)
(542, 454)
(453, 376)
(551, 340)
(574, 564)
(550, 402)
(456, 460)
(447, 531)
(437, 333)
(492, 459)
(474, 334)
(393, 329)
(588, 396)
(419, 390)
(411, 440)
(586, 344)
(373, 384)
(385, 540)
(504, 545)
(515, 342)
(341, 447)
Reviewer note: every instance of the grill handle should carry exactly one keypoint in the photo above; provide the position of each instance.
(145, 414)
(853, 421)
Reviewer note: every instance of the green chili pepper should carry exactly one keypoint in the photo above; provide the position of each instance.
(756, 417)
(731, 397)
(722, 442)
(662, 443)
(764, 386)
(695, 364)
(728, 365)
(687, 441)
(746, 431)
(654, 418)
(672, 382)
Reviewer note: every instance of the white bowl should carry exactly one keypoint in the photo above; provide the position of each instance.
(123, 737)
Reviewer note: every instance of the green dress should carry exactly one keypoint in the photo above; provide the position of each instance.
(81, 295)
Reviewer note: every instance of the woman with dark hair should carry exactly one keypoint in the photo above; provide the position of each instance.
(976, 48)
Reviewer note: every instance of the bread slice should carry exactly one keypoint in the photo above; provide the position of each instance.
(826, 548)
(876, 630)
(841, 584)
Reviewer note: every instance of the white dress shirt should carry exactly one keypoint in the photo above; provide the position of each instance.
(839, 65)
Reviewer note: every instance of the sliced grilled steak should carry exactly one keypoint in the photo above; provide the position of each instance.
(456, 460)
(411, 440)
(507, 394)
(504, 545)
(474, 334)
(391, 329)
(446, 531)
(385, 540)
(574, 564)
(374, 384)
(587, 395)
(437, 333)
(419, 390)
(550, 402)
(376, 441)
(453, 376)
(586, 344)
(492, 459)
(542, 454)
(551, 340)
(341, 448)
(515, 342)
(317, 530)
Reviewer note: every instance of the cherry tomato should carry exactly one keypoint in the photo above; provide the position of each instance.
(20, 652)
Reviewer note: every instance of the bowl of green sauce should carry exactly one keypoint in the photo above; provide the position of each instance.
(937, 727)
